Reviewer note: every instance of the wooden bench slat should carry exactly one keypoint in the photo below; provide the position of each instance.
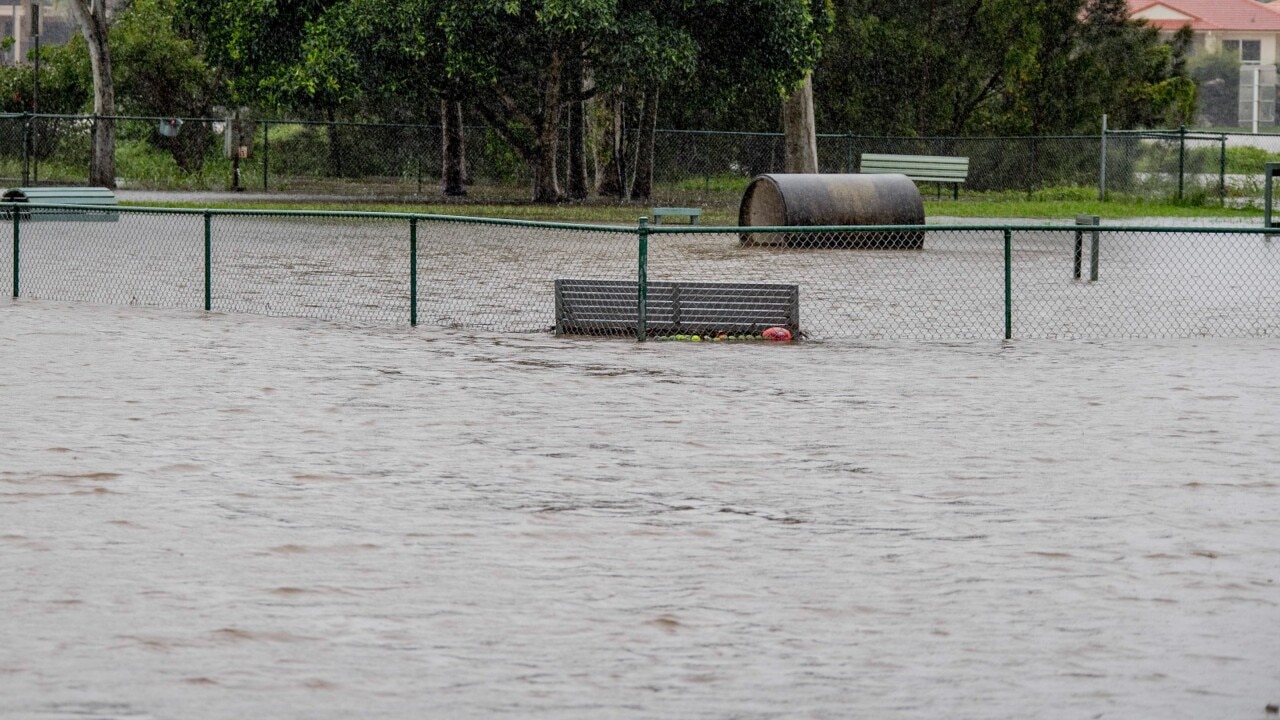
(920, 168)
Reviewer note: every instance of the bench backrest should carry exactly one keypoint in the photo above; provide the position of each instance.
(610, 306)
(930, 168)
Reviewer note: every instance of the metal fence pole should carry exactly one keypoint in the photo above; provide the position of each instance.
(1077, 256)
(642, 276)
(1093, 251)
(1008, 284)
(1222, 170)
(208, 261)
(413, 271)
(1182, 157)
(16, 246)
(26, 150)
(1102, 165)
(266, 152)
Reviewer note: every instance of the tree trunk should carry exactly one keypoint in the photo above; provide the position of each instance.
(546, 186)
(610, 184)
(92, 19)
(642, 186)
(336, 166)
(577, 132)
(801, 141)
(453, 176)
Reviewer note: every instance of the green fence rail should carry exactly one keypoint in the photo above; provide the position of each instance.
(968, 281)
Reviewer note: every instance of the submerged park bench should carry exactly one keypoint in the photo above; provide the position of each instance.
(94, 196)
(926, 168)
(609, 307)
(694, 214)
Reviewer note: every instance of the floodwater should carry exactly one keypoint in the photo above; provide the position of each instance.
(230, 516)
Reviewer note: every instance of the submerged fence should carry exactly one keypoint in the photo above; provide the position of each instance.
(966, 282)
(382, 159)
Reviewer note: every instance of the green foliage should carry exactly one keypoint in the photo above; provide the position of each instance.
(160, 72)
(954, 67)
(65, 83)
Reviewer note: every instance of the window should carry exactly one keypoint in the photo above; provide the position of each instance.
(1249, 51)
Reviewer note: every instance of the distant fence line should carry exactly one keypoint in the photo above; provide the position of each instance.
(968, 282)
(388, 159)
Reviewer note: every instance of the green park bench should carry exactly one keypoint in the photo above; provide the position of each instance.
(694, 214)
(610, 307)
(926, 168)
(94, 196)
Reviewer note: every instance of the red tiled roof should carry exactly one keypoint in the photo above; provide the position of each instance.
(1229, 15)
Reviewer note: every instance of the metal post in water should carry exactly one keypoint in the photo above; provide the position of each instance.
(413, 271)
(208, 261)
(642, 275)
(16, 246)
(1077, 256)
(1093, 250)
(1008, 284)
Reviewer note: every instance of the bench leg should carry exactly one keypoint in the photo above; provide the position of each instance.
(955, 191)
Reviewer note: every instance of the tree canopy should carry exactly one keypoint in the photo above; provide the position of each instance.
(543, 73)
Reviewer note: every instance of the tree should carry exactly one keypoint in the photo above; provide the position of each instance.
(955, 67)
(160, 72)
(800, 133)
(92, 19)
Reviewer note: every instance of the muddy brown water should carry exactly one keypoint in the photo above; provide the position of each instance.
(216, 516)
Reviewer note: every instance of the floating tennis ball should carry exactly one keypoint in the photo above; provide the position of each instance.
(777, 334)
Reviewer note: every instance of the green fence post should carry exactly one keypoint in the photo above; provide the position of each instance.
(208, 261)
(1008, 284)
(16, 224)
(642, 276)
(1222, 171)
(266, 152)
(1182, 157)
(26, 150)
(413, 272)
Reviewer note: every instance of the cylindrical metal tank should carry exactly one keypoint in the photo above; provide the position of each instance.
(815, 199)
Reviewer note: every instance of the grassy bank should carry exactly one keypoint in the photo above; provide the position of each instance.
(1043, 209)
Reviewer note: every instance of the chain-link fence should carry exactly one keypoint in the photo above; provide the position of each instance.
(919, 282)
(712, 168)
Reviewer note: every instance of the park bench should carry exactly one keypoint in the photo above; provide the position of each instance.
(95, 196)
(926, 168)
(606, 307)
(694, 214)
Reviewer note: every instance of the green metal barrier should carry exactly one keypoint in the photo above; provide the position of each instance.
(993, 281)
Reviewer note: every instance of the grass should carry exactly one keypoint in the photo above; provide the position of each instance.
(1018, 206)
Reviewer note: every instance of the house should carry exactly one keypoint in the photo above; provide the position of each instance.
(1246, 28)
(56, 27)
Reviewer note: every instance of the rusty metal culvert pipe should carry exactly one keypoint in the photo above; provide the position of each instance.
(820, 199)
